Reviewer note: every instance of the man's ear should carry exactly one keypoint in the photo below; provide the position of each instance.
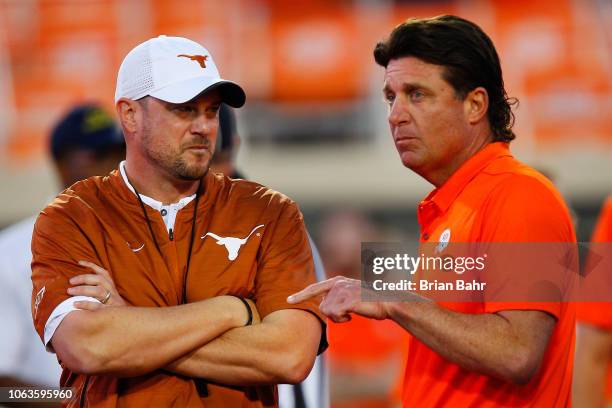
(476, 104)
(128, 112)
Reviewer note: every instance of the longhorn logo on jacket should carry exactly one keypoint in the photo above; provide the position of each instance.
(232, 244)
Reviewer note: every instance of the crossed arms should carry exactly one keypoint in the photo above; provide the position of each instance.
(205, 339)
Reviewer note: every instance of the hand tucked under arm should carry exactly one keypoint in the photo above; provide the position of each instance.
(130, 341)
(281, 349)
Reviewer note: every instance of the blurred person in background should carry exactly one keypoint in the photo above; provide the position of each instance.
(365, 356)
(84, 143)
(593, 361)
(451, 120)
(228, 143)
(313, 392)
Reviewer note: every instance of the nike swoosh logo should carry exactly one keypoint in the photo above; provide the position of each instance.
(136, 249)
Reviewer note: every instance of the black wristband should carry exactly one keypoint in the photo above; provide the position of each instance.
(248, 307)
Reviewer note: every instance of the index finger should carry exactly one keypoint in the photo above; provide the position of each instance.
(310, 291)
(89, 279)
(97, 269)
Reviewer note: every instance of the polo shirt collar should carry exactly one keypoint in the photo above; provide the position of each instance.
(444, 195)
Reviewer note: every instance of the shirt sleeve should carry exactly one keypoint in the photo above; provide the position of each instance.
(58, 244)
(285, 265)
(599, 313)
(58, 314)
(603, 229)
(527, 225)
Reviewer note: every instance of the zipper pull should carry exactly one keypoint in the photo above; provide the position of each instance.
(171, 234)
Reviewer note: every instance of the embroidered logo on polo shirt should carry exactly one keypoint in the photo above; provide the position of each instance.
(38, 299)
(232, 244)
(444, 240)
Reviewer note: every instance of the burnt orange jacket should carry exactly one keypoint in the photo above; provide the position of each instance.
(100, 220)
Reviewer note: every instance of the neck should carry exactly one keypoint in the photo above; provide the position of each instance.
(441, 175)
(156, 183)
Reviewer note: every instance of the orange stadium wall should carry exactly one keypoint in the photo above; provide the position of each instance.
(556, 55)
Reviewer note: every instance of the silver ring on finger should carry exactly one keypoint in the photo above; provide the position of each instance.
(106, 298)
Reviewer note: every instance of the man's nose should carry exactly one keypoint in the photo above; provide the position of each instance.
(398, 112)
(202, 124)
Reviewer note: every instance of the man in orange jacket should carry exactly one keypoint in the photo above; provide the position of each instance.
(164, 284)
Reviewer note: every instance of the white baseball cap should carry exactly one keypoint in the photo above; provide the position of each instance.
(173, 69)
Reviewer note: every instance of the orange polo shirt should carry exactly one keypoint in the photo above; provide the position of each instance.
(494, 198)
(600, 314)
(363, 347)
(100, 220)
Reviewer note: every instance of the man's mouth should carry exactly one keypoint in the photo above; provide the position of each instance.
(404, 140)
(197, 147)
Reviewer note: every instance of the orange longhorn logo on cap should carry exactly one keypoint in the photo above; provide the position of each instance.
(200, 58)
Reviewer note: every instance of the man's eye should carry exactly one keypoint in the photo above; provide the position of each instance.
(416, 95)
(389, 98)
(183, 108)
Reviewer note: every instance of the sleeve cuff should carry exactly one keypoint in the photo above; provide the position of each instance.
(58, 314)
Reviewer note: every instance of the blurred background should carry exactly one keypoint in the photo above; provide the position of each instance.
(314, 126)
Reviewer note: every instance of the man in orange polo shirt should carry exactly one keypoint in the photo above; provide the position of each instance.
(593, 375)
(451, 120)
(164, 284)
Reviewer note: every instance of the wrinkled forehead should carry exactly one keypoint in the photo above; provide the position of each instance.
(411, 71)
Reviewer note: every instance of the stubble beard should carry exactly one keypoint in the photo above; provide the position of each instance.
(171, 161)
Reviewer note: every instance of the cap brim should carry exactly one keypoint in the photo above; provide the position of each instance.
(184, 91)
